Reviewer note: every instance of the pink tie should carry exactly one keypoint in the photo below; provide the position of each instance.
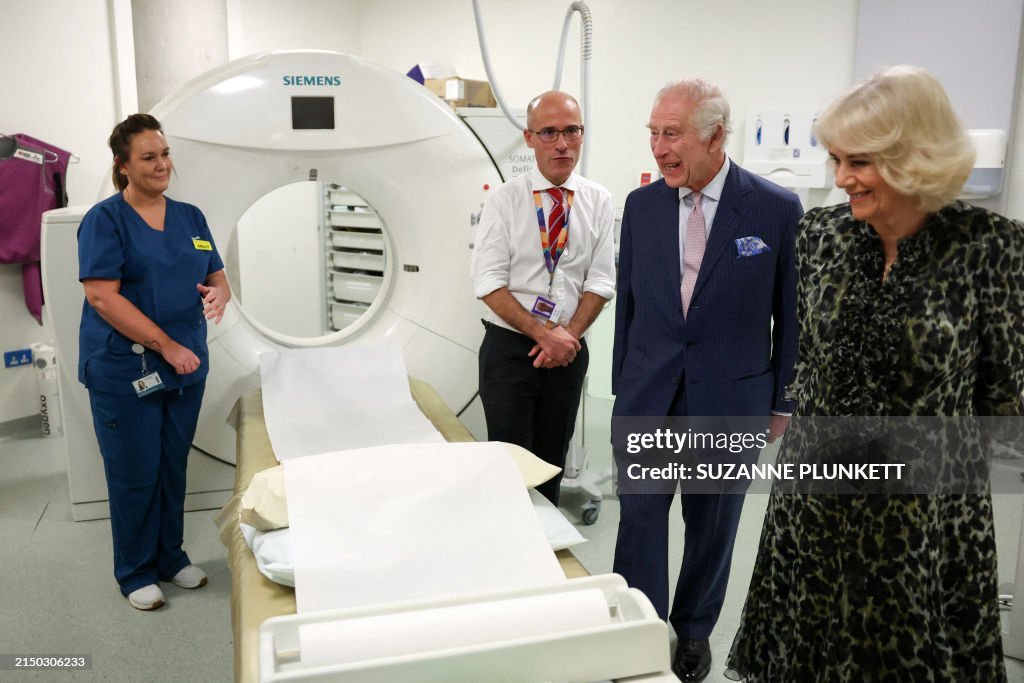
(693, 250)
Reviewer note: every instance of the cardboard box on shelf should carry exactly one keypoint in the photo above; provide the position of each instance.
(462, 92)
(425, 70)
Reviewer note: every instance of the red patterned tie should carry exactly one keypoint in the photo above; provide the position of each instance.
(693, 251)
(556, 218)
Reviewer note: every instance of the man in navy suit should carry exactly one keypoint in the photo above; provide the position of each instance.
(705, 325)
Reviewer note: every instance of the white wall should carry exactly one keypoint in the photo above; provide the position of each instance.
(263, 25)
(175, 41)
(57, 86)
(1013, 182)
(801, 48)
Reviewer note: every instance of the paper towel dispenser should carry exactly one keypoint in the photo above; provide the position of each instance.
(987, 177)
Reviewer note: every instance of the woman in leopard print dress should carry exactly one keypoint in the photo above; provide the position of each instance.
(910, 304)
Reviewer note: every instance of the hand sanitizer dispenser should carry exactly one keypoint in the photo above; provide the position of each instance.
(780, 146)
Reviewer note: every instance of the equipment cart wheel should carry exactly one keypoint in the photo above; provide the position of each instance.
(591, 511)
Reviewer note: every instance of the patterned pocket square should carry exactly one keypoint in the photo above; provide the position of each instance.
(750, 246)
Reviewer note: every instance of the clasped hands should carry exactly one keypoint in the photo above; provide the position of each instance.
(556, 348)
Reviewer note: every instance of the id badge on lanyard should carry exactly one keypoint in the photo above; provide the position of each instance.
(149, 381)
(547, 307)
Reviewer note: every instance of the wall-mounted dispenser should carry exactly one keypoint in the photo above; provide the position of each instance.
(987, 177)
(780, 146)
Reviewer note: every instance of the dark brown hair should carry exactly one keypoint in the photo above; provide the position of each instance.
(120, 142)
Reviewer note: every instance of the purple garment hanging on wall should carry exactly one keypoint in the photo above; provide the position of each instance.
(32, 180)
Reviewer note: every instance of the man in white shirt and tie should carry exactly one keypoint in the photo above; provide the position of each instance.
(543, 262)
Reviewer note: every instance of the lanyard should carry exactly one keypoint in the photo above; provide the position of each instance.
(552, 253)
(140, 351)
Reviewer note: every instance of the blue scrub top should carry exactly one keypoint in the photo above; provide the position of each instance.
(158, 271)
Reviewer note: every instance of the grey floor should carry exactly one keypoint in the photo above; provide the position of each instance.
(58, 595)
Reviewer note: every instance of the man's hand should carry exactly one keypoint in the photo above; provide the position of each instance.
(558, 345)
(777, 426)
(542, 359)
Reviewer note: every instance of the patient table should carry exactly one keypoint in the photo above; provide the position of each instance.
(254, 598)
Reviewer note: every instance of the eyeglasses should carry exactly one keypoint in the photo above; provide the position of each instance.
(571, 133)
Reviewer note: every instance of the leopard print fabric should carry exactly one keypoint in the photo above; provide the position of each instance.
(866, 588)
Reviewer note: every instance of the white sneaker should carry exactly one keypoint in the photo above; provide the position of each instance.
(147, 597)
(190, 577)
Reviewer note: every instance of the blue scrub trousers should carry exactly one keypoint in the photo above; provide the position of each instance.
(145, 444)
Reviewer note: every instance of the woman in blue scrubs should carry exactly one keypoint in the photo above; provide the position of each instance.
(152, 277)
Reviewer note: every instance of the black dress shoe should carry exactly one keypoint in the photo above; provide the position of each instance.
(693, 660)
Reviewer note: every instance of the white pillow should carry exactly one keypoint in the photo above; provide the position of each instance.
(273, 551)
(264, 505)
(560, 532)
(533, 470)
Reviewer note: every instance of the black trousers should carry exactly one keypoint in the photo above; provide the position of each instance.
(530, 407)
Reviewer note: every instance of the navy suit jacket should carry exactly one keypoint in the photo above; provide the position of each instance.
(726, 351)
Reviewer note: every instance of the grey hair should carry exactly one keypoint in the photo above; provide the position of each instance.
(711, 108)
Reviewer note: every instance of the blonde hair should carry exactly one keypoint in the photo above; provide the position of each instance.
(902, 117)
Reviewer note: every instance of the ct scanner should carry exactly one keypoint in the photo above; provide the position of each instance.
(262, 122)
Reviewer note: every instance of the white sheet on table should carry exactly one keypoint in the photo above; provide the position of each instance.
(402, 522)
(441, 628)
(273, 549)
(338, 398)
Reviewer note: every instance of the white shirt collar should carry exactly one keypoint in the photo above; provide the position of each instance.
(539, 182)
(712, 190)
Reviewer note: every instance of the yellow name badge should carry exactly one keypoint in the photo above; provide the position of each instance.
(202, 245)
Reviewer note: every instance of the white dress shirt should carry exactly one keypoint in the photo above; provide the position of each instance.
(710, 196)
(507, 250)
